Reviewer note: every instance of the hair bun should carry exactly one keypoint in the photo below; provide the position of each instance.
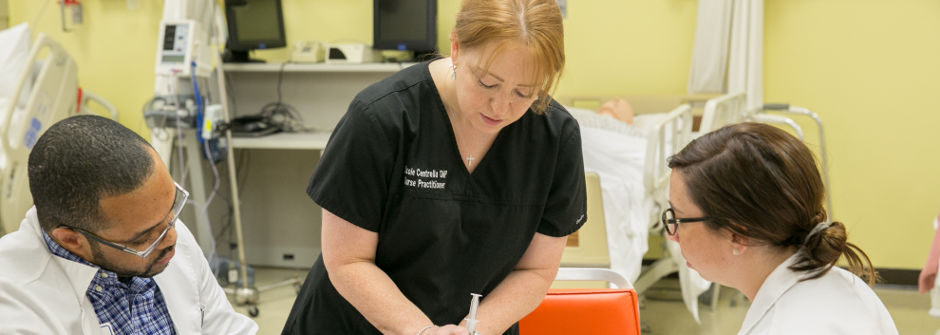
(819, 217)
(827, 243)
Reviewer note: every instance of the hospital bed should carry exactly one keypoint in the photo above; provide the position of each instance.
(46, 91)
(40, 98)
(631, 163)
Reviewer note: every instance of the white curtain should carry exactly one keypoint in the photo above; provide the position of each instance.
(726, 58)
(710, 49)
(728, 50)
(745, 64)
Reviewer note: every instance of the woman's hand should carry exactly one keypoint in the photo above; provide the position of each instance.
(927, 277)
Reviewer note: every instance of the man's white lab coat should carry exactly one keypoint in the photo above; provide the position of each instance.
(41, 293)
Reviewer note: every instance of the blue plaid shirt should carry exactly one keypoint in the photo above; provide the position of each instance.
(134, 308)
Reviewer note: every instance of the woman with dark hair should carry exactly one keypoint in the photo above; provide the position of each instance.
(749, 200)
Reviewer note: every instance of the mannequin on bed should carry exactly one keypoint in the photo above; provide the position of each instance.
(619, 109)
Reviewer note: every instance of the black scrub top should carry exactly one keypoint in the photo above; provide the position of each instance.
(392, 167)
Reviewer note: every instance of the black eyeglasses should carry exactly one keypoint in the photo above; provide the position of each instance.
(671, 222)
(179, 202)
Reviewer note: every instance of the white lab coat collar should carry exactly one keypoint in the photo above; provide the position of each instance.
(78, 274)
(775, 285)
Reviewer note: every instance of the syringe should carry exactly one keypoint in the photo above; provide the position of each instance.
(472, 320)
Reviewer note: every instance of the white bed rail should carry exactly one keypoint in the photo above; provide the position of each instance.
(88, 96)
(40, 99)
(666, 138)
(722, 111)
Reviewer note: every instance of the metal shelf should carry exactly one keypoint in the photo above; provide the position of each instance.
(315, 67)
(298, 141)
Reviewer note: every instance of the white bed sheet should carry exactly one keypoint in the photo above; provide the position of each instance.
(616, 152)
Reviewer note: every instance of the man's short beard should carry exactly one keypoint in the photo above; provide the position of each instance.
(99, 259)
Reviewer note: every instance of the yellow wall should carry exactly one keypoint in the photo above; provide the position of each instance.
(867, 67)
(114, 48)
(639, 47)
(608, 44)
(870, 69)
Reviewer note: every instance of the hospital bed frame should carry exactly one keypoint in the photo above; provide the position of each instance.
(665, 139)
(722, 111)
(47, 91)
(41, 98)
(666, 135)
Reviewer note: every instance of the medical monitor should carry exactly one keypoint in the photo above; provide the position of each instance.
(253, 25)
(406, 25)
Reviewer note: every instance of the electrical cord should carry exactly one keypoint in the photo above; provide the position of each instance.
(280, 114)
(200, 108)
(215, 189)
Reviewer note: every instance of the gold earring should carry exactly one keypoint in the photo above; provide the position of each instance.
(453, 71)
(735, 251)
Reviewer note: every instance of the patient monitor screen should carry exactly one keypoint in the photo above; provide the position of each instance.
(402, 20)
(257, 20)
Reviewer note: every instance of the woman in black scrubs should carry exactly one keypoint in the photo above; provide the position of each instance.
(455, 176)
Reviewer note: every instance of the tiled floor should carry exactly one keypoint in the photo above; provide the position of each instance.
(275, 303)
(661, 312)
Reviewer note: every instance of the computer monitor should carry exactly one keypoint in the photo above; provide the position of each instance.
(406, 25)
(253, 25)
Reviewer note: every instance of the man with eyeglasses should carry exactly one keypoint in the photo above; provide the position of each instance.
(102, 251)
